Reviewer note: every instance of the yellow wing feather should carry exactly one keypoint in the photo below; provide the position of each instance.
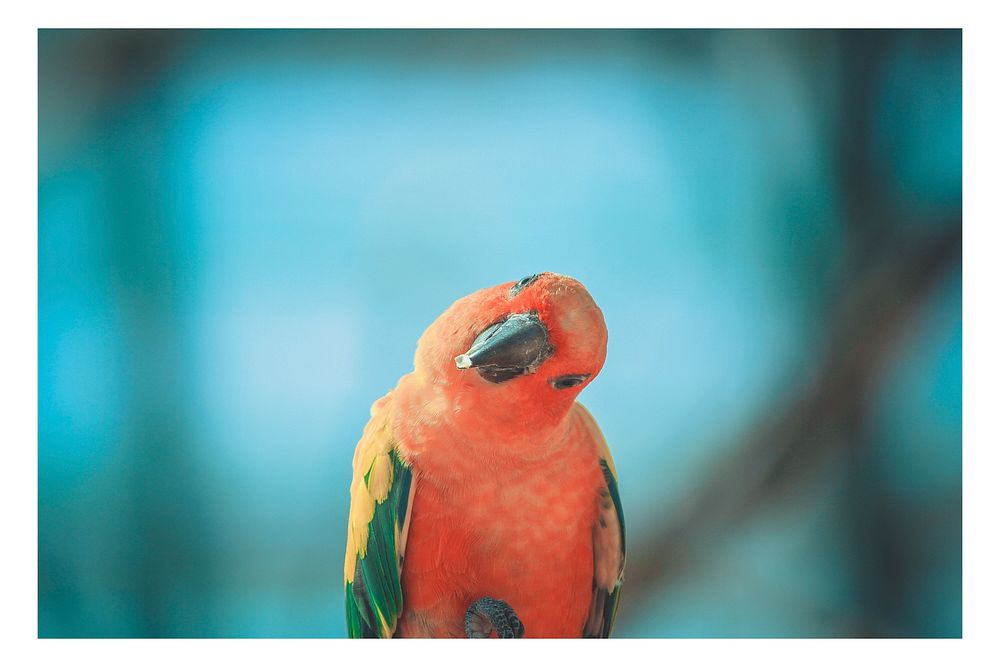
(371, 483)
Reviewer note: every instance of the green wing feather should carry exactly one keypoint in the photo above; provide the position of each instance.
(380, 504)
(375, 596)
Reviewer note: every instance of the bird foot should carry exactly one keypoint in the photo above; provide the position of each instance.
(486, 615)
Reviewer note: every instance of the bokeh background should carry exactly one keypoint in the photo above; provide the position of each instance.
(243, 233)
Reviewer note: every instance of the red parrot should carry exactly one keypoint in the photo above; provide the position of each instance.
(484, 499)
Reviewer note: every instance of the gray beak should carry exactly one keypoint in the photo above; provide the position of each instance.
(505, 350)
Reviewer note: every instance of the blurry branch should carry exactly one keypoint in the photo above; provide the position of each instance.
(787, 447)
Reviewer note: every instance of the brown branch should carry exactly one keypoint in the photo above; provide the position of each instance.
(789, 447)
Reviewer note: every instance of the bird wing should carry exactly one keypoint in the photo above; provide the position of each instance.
(609, 540)
(381, 495)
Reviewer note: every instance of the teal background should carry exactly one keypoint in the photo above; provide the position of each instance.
(242, 234)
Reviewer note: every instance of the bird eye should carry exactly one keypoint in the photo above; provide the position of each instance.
(522, 283)
(568, 381)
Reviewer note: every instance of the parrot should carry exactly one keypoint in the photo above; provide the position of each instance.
(484, 500)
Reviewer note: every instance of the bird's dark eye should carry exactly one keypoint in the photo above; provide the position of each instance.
(522, 283)
(567, 381)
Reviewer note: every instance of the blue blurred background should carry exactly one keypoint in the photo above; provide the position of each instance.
(242, 234)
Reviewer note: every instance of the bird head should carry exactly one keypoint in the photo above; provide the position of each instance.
(516, 353)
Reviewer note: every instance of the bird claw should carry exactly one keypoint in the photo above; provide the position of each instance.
(487, 615)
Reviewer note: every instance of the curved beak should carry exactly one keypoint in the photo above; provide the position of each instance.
(505, 350)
